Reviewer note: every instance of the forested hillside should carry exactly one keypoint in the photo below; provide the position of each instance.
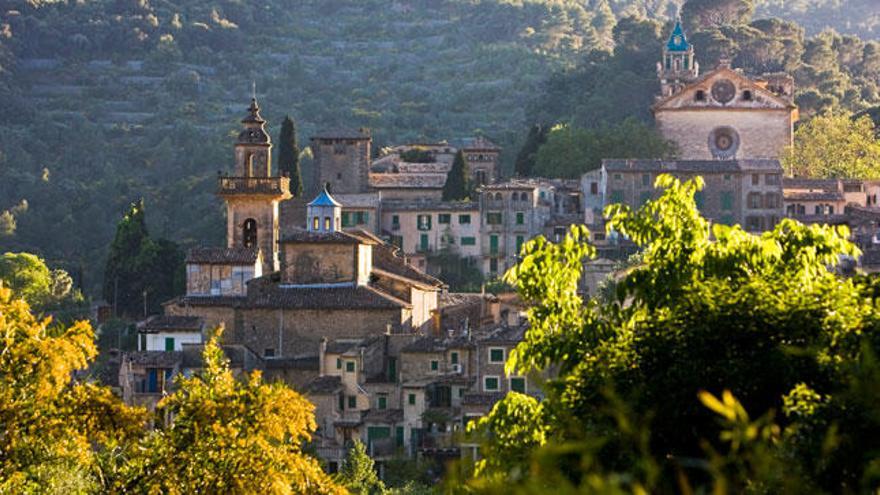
(106, 101)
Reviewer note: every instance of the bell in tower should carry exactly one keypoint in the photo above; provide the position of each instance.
(252, 194)
(678, 67)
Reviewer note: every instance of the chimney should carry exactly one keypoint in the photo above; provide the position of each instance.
(322, 351)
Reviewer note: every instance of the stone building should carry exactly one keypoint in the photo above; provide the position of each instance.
(745, 192)
(423, 227)
(511, 213)
(723, 114)
(341, 161)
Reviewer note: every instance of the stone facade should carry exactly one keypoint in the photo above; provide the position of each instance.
(341, 160)
(430, 227)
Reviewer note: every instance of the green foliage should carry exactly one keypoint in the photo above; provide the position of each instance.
(357, 473)
(141, 273)
(417, 155)
(702, 14)
(228, 436)
(569, 152)
(525, 159)
(835, 146)
(55, 430)
(460, 274)
(763, 317)
(288, 156)
(46, 290)
(458, 180)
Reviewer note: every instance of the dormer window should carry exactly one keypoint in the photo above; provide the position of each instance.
(700, 96)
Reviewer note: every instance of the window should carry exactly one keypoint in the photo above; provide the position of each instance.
(411, 399)
(361, 218)
(618, 176)
(520, 218)
(423, 243)
(480, 176)
(747, 95)
(617, 196)
(754, 200)
(268, 352)
(453, 358)
(435, 365)
(493, 244)
(352, 402)
(599, 236)
(395, 222)
(249, 233)
(771, 179)
(346, 219)
(726, 176)
(464, 219)
(498, 197)
(646, 180)
(756, 179)
(490, 384)
(339, 149)
(461, 392)
(423, 222)
(341, 402)
(143, 346)
(726, 200)
(699, 199)
(518, 384)
(524, 197)
(468, 241)
(316, 223)
(493, 265)
(754, 223)
(169, 343)
(700, 96)
(830, 209)
(493, 218)
(328, 223)
(382, 403)
(771, 200)
(444, 218)
(519, 242)
(349, 366)
(496, 355)
(594, 188)
(338, 364)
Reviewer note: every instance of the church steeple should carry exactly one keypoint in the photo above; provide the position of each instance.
(253, 150)
(678, 66)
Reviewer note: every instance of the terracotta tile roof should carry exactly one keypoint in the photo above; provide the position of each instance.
(159, 359)
(272, 295)
(504, 335)
(207, 301)
(168, 323)
(385, 258)
(408, 181)
(383, 416)
(302, 235)
(692, 166)
(801, 195)
(324, 385)
(222, 255)
(307, 363)
(429, 205)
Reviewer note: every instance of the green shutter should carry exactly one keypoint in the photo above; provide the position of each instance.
(493, 244)
(454, 358)
(726, 200)
(411, 399)
(519, 242)
(346, 219)
(520, 218)
(169, 343)
(423, 242)
(398, 436)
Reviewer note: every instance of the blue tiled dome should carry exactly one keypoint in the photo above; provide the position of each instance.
(677, 40)
(324, 199)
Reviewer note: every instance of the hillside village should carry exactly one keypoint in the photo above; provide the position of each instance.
(334, 292)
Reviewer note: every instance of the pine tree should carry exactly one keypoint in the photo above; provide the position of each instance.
(288, 156)
(525, 159)
(458, 181)
(358, 474)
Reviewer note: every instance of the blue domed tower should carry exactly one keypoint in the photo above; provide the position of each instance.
(678, 67)
(324, 214)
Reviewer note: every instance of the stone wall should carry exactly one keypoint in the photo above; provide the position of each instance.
(342, 163)
(762, 133)
(265, 213)
(319, 263)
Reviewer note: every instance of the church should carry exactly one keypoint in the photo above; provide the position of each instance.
(723, 114)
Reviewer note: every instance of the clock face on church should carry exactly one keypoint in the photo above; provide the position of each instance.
(723, 91)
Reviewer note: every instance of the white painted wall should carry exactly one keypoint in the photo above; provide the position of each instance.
(156, 341)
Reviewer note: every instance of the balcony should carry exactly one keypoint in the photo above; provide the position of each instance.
(260, 186)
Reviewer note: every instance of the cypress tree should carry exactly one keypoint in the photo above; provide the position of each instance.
(458, 181)
(288, 156)
(525, 159)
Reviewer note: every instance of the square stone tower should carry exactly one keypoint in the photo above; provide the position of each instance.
(342, 161)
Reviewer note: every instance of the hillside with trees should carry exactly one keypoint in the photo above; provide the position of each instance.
(105, 102)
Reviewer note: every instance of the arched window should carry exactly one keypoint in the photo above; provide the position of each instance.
(316, 223)
(249, 233)
(481, 177)
(327, 224)
(249, 165)
(524, 196)
(497, 196)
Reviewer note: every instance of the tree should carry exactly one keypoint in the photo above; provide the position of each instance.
(763, 322)
(45, 289)
(835, 146)
(458, 181)
(139, 270)
(357, 473)
(55, 430)
(288, 156)
(570, 151)
(525, 159)
(229, 436)
(699, 14)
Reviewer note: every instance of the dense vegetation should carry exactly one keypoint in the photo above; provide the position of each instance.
(103, 102)
(742, 364)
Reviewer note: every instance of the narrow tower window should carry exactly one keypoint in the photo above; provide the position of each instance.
(249, 233)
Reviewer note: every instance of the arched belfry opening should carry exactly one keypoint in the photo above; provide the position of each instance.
(249, 233)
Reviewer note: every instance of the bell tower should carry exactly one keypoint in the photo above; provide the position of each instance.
(252, 194)
(678, 67)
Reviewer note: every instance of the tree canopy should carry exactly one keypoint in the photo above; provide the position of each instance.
(288, 156)
(713, 324)
(835, 145)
